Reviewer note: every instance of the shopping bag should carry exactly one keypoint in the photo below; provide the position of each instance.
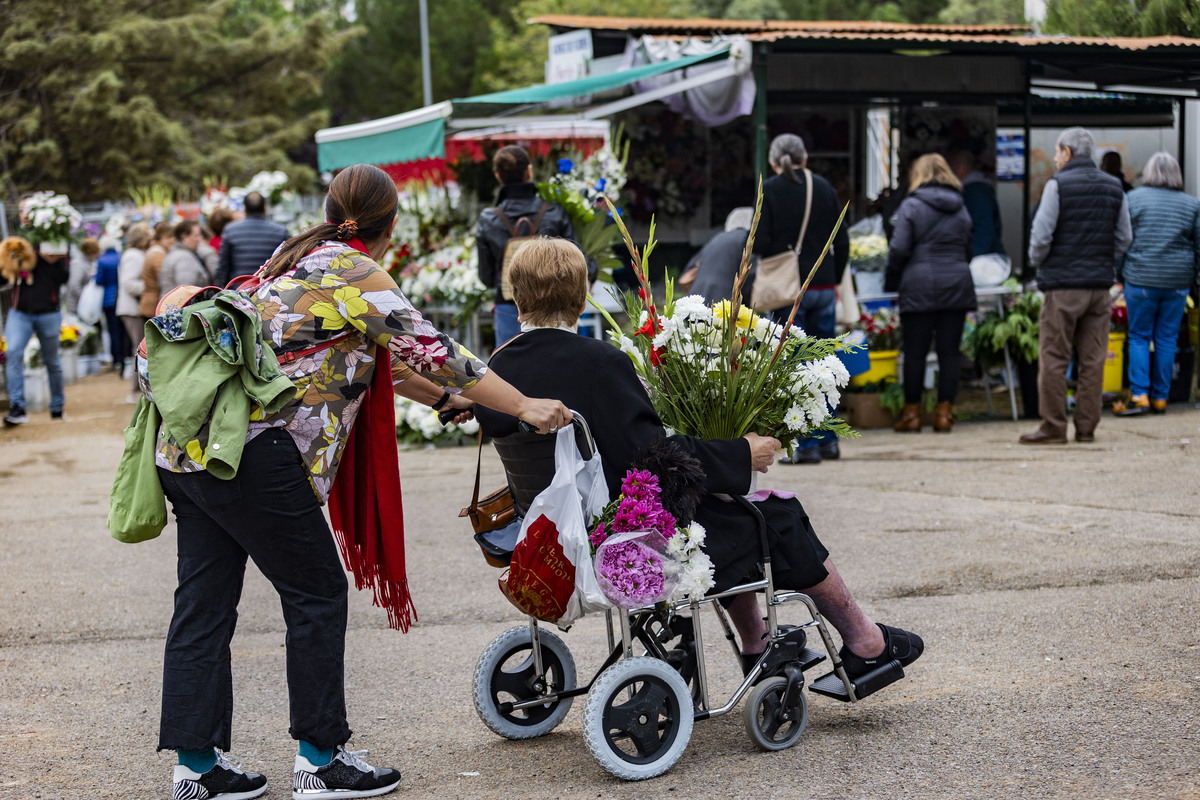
(551, 576)
(91, 303)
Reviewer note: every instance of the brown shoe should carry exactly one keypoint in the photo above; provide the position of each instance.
(910, 420)
(1041, 437)
(943, 417)
(1085, 438)
(1158, 406)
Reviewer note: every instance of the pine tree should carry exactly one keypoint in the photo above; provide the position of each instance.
(97, 96)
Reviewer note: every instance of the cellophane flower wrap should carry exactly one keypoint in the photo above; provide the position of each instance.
(641, 555)
(721, 371)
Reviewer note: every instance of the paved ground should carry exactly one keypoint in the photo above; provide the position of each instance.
(1058, 591)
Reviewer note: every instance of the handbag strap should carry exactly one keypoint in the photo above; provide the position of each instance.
(479, 455)
(807, 209)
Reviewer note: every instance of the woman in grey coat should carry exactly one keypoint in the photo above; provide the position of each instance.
(1159, 268)
(928, 258)
(183, 265)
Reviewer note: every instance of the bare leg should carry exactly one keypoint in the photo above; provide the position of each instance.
(745, 615)
(835, 603)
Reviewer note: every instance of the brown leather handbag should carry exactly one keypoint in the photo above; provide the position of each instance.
(492, 512)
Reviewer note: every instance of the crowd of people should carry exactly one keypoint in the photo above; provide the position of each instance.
(134, 271)
(247, 480)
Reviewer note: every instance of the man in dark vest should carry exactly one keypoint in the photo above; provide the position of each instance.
(247, 244)
(1080, 231)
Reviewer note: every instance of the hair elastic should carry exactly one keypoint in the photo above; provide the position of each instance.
(347, 230)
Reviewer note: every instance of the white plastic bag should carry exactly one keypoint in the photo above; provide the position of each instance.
(91, 303)
(990, 269)
(551, 575)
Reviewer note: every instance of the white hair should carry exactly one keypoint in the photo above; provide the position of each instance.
(1162, 170)
(1079, 141)
(739, 218)
(108, 243)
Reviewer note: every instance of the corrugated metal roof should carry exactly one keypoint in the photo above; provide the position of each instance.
(708, 26)
(849, 31)
(1131, 43)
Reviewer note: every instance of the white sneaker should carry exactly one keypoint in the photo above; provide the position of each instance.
(226, 780)
(347, 775)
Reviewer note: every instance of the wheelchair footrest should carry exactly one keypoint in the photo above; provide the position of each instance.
(810, 658)
(831, 685)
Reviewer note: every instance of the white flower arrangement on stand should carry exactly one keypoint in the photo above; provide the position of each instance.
(52, 222)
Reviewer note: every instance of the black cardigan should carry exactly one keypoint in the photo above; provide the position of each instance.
(782, 215)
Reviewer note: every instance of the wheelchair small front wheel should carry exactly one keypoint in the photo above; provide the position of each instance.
(638, 718)
(770, 725)
(505, 673)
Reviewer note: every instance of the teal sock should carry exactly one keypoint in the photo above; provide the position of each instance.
(198, 761)
(315, 755)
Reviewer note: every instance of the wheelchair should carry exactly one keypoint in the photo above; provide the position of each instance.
(641, 704)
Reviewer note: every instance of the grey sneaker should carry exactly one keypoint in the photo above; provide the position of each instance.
(15, 416)
(226, 780)
(347, 775)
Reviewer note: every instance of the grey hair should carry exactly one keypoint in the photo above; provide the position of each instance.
(788, 152)
(740, 217)
(1162, 170)
(1079, 141)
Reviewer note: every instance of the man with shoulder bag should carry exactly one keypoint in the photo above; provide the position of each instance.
(799, 212)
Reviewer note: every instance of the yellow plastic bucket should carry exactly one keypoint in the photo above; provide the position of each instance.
(883, 365)
(1114, 363)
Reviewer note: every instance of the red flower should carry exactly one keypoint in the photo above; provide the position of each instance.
(656, 355)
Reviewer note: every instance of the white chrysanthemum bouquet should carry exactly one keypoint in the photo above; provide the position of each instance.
(52, 218)
(721, 371)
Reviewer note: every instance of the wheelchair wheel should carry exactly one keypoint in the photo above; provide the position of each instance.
(770, 725)
(505, 673)
(638, 718)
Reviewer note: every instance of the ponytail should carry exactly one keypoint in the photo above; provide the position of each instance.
(297, 248)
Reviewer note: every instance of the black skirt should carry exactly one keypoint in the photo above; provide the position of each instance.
(732, 542)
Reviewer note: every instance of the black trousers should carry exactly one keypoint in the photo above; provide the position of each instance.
(920, 327)
(269, 513)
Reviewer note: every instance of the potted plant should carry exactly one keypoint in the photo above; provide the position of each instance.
(1018, 331)
(883, 343)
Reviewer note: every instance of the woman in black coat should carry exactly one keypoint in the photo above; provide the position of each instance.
(549, 280)
(928, 264)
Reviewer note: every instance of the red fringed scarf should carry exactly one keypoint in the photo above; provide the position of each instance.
(364, 503)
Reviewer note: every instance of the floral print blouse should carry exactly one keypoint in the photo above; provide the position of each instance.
(336, 293)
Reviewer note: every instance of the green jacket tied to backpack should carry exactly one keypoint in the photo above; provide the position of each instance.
(207, 363)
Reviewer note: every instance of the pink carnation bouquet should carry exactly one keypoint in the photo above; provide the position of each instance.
(641, 555)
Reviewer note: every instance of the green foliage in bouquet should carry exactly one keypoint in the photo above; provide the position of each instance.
(721, 371)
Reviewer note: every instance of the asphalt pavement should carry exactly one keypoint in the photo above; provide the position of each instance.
(1057, 589)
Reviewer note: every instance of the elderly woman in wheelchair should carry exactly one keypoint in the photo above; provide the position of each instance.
(761, 546)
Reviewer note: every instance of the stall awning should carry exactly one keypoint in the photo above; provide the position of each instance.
(592, 84)
(421, 134)
(411, 136)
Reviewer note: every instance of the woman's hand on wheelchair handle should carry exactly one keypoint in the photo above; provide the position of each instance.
(762, 451)
(547, 416)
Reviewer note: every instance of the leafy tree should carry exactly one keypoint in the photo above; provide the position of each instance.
(380, 72)
(755, 9)
(983, 12)
(1123, 17)
(519, 50)
(97, 96)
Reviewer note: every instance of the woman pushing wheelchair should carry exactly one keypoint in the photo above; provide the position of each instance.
(598, 381)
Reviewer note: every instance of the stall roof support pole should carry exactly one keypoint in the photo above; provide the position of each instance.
(1026, 211)
(1181, 117)
(760, 109)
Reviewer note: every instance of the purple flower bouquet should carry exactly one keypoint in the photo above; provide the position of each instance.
(635, 566)
(635, 569)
